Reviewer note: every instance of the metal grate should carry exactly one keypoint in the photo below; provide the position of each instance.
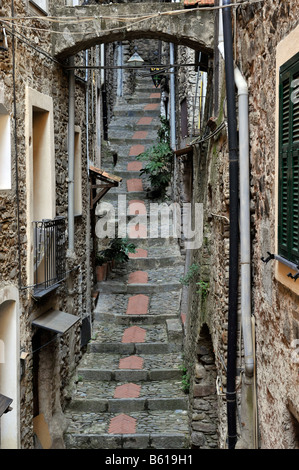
(49, 254)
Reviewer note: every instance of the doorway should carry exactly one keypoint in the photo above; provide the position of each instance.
(9, 373)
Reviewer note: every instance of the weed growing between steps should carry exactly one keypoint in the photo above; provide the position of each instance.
(185, 379)
(191, 274)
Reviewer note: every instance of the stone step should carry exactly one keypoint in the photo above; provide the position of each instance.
(125, 151)
(136, 430)
(126, 175)
(140, 304)
(114, 405)
(131, 124)
(147, 87)
(137, 110)
(129, 195)
(151, 250)
(157, 280)
(112, 396)
(127, 362)
(115, 287)
(144, 97)
(124, 138)
(135, 333)
(157, 262)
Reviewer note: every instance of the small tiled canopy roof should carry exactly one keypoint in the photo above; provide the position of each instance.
(200, 3)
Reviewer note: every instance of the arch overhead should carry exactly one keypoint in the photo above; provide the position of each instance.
(82, 27)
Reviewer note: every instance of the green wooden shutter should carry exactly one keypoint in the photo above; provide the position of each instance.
(288, 211)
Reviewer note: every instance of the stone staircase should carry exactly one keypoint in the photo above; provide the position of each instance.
(127, 393)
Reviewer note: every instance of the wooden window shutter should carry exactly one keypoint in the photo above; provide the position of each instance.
(288, 227)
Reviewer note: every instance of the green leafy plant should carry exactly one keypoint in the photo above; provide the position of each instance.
(159, 160)
(185, 379)
(100, 260)
(204, 288)
(118, 250)
(192, 272)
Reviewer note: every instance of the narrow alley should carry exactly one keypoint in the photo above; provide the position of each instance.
(128, 391)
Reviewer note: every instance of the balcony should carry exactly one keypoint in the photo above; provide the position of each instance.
(49, 255)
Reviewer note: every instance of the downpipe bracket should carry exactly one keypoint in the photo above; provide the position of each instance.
(279, 258)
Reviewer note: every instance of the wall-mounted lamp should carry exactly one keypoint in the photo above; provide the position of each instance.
(136, 60)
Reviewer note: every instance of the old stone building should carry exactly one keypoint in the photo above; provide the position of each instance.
(46, 275)
(264, 48)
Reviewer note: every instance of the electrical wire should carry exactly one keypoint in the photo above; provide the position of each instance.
(66, 20)
(26, 41)
(133, 20)
(200, 140)
(57, 336)
(76, 20)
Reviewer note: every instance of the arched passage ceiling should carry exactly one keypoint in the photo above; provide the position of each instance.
(169, 22)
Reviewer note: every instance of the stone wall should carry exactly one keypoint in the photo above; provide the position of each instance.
(36, 70)
(274, 302)
(260, 30)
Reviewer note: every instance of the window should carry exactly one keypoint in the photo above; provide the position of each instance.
(77, 173)
(40, 168)
(5, 150)
(41, 4)
(288, 212)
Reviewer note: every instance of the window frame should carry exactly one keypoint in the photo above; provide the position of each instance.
(35, 4)
(288, 179)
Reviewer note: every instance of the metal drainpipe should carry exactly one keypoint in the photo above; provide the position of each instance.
(87, 109)
(172, 100)
(234, 229)
(71, 153)
(245, 223)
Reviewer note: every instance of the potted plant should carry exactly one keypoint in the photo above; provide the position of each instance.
(118, 250)
(101, 268)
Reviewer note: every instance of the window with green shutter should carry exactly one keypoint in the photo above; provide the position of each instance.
(288, 213)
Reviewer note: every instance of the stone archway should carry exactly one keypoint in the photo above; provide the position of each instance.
(82, 27)
(9, 365)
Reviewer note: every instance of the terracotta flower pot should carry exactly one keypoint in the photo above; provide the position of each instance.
(101, 272)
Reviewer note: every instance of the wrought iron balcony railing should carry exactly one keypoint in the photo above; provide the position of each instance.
(49, 255)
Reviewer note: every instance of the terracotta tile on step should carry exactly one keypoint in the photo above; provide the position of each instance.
(145, 121)
(138, 277)
(140, 135)
(136, 150)
(134, 334)
(131, 362)
(139, 253)
(136, 207)
(151, 106)
(129, 390)
(138, 305)
(134, 166)
(122, 424)
(155, 95)
(134, 184)
(137, 231)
